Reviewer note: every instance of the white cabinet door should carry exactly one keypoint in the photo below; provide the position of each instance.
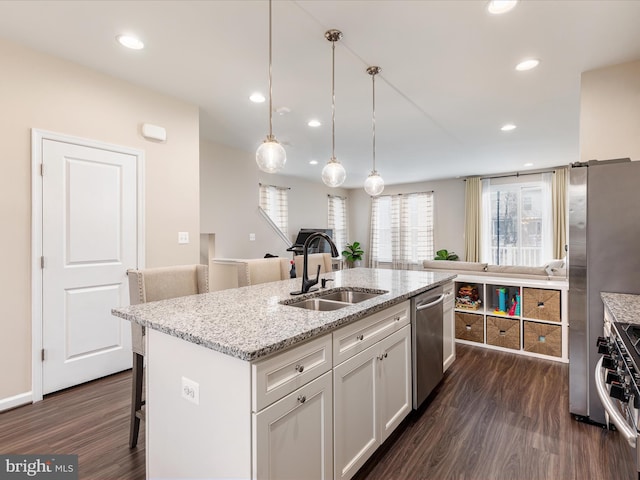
(356, 425)
(394, 393)
(293, 437)
(372, 395)
(448, 327)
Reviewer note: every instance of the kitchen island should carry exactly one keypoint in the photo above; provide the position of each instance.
(240, 385)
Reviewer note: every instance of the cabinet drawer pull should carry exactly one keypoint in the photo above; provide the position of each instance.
(383, 356)
(299, 368)
(360, 337)
(302, 398)
(397, 319)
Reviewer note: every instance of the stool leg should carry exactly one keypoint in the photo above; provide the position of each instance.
(136, 398)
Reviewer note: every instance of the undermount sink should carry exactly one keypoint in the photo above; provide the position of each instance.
(334, 299)
(318, 304)
(348, 296)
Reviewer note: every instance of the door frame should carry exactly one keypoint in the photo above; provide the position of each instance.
(37, 138)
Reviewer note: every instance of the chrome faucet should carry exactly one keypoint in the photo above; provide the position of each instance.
(306, 282)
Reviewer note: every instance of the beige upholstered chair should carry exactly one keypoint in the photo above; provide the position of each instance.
(149, 285)
(313, 260)
(262, 270)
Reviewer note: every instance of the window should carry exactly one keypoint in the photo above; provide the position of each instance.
(402, 229)
(337, 221)
(517, 222)
(273, 200)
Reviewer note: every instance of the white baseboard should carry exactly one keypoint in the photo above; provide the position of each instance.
(15, 401)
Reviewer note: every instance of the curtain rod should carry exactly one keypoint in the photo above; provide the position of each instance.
(518, 174)
(408, 193)
(274, 186)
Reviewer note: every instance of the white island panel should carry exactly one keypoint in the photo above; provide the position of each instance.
(185, 440)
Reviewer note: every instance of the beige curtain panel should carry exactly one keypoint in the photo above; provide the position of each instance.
(559, 205)
(472, 219)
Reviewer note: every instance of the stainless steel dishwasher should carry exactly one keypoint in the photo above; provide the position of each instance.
(426, 343)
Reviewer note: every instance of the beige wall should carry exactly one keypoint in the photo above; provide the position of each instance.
(40, 91)
(229, 181)
(448, 212)
(610, 112)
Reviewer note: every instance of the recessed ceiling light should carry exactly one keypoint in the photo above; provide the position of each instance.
(508, 127)
(130, 41)
(257, 97)
(282, 110)
(313, 162)
(501, 6)
(314, 123)
(528, 164)
(527, 64)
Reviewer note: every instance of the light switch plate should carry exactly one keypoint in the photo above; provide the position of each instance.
(183, 237)
(191, 390)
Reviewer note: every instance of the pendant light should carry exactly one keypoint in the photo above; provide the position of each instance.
(374, 184)
(270, 156)
(333, 173)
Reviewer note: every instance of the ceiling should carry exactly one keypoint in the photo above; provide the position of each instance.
(447, 85)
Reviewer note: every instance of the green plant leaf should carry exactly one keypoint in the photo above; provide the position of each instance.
(445, 255)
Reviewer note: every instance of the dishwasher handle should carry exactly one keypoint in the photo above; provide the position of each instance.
(422, 306)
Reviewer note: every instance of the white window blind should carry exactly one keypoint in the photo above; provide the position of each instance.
(274, 201)
(402, 230)
(337, 220)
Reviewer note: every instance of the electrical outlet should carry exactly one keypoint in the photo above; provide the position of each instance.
(183, 237)
(252, 237)
(191, 390)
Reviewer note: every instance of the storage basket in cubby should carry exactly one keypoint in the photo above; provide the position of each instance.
(470, 327)
(543, 338)
(503, 332)
(541, 304)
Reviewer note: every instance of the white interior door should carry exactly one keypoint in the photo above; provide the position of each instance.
(89, 240)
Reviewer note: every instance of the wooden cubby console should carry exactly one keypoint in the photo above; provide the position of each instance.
(525, 316)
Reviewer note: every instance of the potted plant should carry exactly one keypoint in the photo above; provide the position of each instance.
(353, 254)
(445, 255)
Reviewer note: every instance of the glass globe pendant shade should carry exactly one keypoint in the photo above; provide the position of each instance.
(333, 173)
(374, 184)
(271, 156)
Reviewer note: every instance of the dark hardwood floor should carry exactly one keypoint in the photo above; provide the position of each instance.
(501, 416)
(91, 421)
(495, 416)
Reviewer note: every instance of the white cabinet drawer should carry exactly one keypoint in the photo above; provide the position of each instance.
(283, 373)
(357, 336)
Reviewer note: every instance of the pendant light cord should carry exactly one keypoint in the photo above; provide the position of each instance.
(270, 87)
(333, 100)
(373, 78)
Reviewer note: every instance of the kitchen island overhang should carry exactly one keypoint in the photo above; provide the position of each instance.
(250, 322)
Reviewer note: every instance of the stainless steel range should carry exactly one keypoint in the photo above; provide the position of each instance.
(617, 378)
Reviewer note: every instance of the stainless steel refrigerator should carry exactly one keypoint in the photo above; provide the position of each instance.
(603, 256)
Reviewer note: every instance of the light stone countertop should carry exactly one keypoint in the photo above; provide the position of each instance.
(625, 307)
(249, 322)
